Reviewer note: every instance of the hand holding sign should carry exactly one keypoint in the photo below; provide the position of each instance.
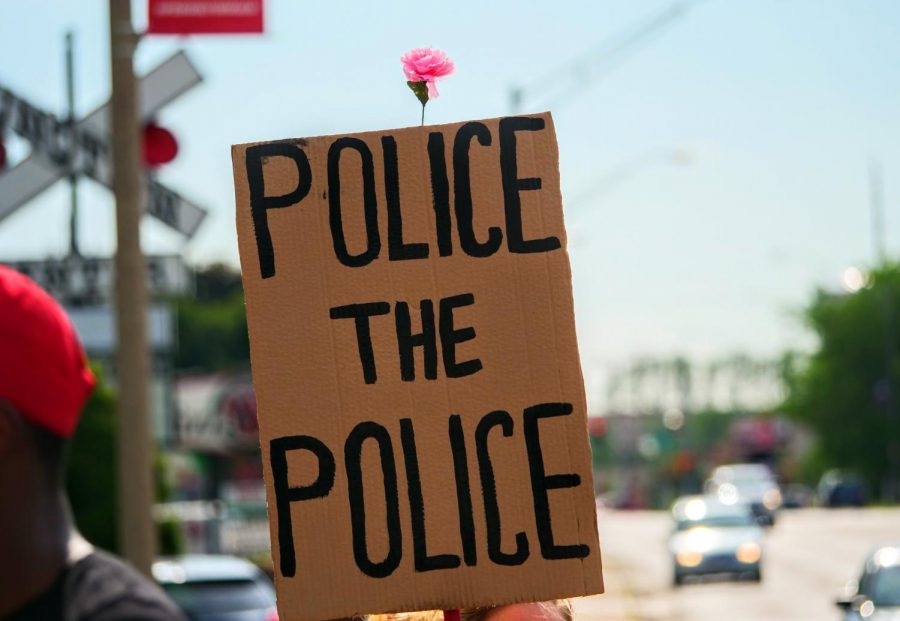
(422, 411)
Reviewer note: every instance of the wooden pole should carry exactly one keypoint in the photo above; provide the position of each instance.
(137, 533)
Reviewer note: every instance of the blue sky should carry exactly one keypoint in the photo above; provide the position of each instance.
(774, 107)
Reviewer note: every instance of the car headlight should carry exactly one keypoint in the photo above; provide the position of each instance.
(688, 558)
(771, 499)
(749, 552)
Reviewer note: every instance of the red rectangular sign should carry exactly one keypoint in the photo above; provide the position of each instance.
(205, 16)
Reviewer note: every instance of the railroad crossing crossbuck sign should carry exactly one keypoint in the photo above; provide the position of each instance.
(82, 281)
(60, 148)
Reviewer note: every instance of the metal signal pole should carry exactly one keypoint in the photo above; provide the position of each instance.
(137, 533)
(73, 176)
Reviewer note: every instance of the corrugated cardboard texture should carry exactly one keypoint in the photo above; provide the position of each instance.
(502, 509)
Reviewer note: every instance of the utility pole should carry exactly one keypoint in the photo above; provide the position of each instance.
(887, 390)
(137, 532)
(876, 203)
(73, 175)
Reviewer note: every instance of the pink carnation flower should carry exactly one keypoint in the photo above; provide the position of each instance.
(425, 64)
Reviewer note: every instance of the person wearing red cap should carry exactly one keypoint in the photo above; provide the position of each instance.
(48, 571)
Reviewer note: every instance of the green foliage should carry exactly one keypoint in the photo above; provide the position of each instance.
(212, 328)
(217, 282)
(212, 333)
(91, 475)
(843, 390)
(170, 539)
(706, 429)
(420, 90)
(601, 452)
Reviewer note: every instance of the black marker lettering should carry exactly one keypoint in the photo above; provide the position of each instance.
(440, 192)
(353, 463)
(512, 185)
(463, 490)
(285, 494)
(450, 338)
(407, 341)
(423, 562)
(360, 313)
(489, 491)
(260, 204)
(370, 206)
(397, 249)
(541, 482)
(462, 190)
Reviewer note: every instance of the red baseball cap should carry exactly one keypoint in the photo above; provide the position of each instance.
(43, 367)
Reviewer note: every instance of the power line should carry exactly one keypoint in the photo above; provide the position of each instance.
(562, 85)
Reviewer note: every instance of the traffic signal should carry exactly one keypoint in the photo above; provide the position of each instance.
(159, 145)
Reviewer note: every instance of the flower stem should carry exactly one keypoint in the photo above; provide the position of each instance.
(423, 115)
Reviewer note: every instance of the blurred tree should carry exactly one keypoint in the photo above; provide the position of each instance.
(91, 480)
(169, 533)
(212, 327)
(217, 282)
(705, 430)
(846, 392)
(91, 477)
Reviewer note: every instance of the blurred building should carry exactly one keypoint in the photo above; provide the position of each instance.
(645, 461)
(216, 474)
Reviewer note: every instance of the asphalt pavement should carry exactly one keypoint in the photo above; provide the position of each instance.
(809, 556)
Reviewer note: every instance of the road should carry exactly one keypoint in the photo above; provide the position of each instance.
(809, 556)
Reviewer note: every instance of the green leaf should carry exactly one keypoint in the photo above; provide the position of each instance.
(420, 89)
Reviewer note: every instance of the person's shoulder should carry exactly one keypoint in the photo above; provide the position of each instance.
(100, 587)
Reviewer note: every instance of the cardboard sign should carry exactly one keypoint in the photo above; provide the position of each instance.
(421, 405)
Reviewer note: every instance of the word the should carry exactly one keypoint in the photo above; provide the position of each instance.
(407, 341)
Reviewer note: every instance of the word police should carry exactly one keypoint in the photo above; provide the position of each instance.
(472, 243)
(510, 553)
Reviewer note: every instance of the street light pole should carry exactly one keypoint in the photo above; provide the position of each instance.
(135, 455)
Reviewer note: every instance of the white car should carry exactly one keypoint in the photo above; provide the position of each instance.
(751, 484)
(217, 587)
(714, 537)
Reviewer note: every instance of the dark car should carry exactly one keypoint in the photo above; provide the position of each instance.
(217, 588)
(841, 489)
(876, 596)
